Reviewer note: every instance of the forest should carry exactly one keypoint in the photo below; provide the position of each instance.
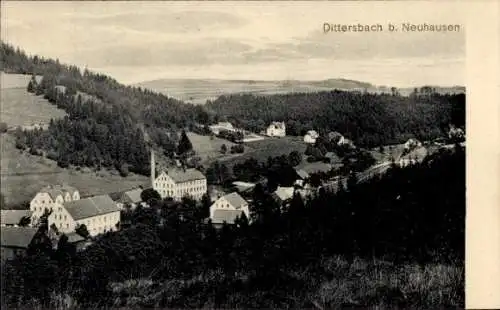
(370, 120)
(106, 119)
(407, 224)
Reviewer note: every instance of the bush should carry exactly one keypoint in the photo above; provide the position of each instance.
(3, 127)
(123, 170)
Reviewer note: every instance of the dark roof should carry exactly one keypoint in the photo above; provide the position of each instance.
(18, 237)
(132, 196)
(235, 200)
(89, 207)
(74, 237)
(315, 167)
(115, 196)
(181, 175)
(228, 216)
(13, 217)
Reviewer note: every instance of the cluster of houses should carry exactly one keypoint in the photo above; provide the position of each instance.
(66, 212)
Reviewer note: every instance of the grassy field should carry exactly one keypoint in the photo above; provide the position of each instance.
(8, 80)
(209, 148)
(22, 175)
(262, 149)
(20, 108)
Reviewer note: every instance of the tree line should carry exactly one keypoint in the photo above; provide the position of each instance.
(107, 122)
(370, 120)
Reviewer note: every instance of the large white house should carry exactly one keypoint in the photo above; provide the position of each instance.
(178, 183)
(311, 137)
(276, 129)
(99, 214)
(51, 197)
(228, 208)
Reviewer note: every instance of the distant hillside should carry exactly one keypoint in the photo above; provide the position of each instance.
(198, 91)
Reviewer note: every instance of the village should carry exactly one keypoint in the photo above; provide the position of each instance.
(62, 209)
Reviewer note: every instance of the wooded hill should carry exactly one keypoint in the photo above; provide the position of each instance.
(105, 128)
(370, 120)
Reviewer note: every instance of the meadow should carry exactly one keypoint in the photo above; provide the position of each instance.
(269, 147)
(20, 108)
(23, 175)
(209, 148)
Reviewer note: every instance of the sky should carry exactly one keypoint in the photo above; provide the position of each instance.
(139, 41)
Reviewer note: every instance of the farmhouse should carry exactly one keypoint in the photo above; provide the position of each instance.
(336, 137)
(311, 137)
(415, 156)
(228, 208)
(131, 197)
(411, 144)
(99, 214)
(276, 129)
(49, 198)
(221, 126)
(178, 183)
(15, 241)
(283, 195)
(14, 217)
(314, 167)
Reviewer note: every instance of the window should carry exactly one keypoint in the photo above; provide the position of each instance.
(65, 217)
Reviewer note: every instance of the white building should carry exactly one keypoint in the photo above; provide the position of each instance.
(179, 183)
(221, 126)
(276, 129)
(99, 214)
(49, 198)
(412, 144)
(415, 156)
(228, 208)
(311, 137)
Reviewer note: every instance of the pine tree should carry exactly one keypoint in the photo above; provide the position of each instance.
(185, 145)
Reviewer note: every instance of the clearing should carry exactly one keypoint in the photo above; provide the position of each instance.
(269, 147)
(209, 148)
(20, 108)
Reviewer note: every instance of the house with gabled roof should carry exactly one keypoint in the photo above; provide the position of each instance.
(15, 241)
(14, 217)
(311, 136)
(131, 197)
(99, 214)
(50, 197)
(181, 182)
(228, 208)
(276, 129)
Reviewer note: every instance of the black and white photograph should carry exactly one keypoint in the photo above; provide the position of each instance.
(233, 155)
